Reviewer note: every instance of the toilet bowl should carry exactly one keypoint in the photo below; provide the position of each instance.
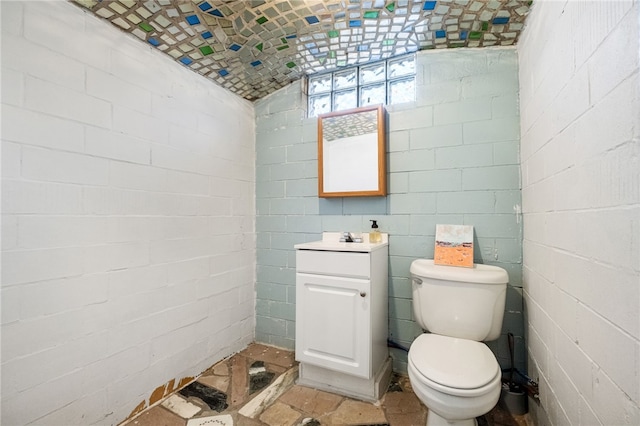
(457, 379)
(453, 373)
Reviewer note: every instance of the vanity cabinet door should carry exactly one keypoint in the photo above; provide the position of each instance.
(333, 328)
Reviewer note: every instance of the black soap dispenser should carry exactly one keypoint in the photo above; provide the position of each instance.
(375, 236)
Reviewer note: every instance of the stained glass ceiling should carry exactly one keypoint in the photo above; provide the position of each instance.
(254, 47)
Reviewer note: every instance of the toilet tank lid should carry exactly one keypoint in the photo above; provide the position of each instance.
(482, 274)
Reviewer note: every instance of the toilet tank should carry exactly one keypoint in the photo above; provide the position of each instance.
(459, 302)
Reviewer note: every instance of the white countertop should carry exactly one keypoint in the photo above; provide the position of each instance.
(331, 242)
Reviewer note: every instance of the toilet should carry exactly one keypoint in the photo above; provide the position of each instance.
(452, 372)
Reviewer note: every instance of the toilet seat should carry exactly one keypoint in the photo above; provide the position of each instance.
(454, 366)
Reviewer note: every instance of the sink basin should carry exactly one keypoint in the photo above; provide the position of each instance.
(331, 242)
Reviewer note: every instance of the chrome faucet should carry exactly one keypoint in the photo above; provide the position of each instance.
(346, 237)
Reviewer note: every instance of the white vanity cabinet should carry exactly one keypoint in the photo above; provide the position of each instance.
(341, 316)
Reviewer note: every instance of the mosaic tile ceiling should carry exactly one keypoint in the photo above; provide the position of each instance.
(254, 47)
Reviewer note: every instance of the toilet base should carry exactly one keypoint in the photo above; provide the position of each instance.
(435, 420)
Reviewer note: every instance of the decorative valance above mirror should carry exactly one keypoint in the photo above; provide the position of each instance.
(352, 153)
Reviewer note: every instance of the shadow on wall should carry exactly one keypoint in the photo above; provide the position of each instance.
(477, 254)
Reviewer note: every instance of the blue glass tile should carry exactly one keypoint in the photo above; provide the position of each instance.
(153, 41)
(204, 6)
(312, 19)
(355, 23)
(255, 63)
(463, 35)
(314, 51)
(223, 73)
(429, 5)
(235, 47)
(192, 20)
(216, 12)
(310, 45)
(500, 20)
(363, 48)
(338, 16)
(292, 36)
(206, 35)
(186, 60)
(441, 34)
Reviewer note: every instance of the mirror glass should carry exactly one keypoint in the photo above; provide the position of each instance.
(351, 153)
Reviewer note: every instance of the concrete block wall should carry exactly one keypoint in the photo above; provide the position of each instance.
(128, 244)
(452, 157)
(580, 120)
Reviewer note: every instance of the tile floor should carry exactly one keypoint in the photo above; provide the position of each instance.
(256, 387)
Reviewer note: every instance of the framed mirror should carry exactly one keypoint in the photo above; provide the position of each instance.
(352, 153)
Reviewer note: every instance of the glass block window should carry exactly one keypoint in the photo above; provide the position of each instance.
(386, 82)
(401, 91)
(373, 73)
(345, 79)
(320, 84)
(373, 94)
(345, 99)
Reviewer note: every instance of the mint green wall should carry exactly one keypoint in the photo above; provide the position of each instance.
(452, 158)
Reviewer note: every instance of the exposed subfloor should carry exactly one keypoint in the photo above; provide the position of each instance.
(256, 387)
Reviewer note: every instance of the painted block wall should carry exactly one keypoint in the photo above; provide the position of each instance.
(128, 238)
(452, 158)
(580, 120)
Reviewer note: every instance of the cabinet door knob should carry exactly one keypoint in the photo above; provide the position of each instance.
(363, 294)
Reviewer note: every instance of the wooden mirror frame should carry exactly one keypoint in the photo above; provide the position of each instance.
(352, 165)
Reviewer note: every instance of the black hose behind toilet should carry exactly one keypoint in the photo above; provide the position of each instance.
(513, 397)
